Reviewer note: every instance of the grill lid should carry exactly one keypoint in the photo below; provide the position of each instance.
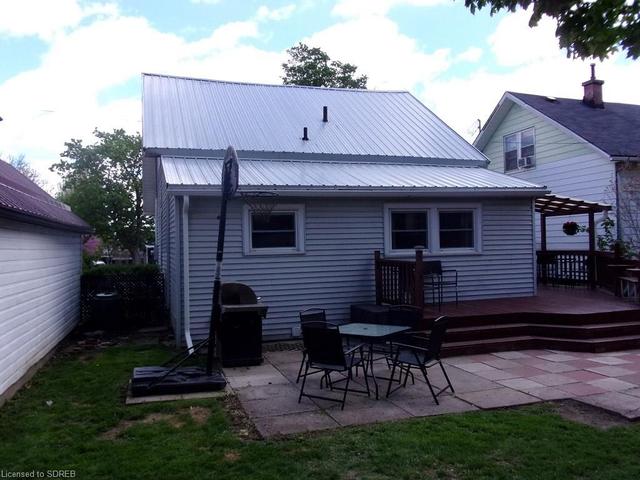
(233, 293)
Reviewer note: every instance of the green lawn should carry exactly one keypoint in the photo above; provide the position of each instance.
(87, 396)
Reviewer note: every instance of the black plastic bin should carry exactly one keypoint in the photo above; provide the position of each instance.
(106, 311)
(240, 335)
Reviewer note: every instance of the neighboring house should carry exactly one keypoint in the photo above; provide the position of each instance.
(378, 171)
(40, 267)
(586, 149)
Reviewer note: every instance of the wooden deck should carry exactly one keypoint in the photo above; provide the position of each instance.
(558, 317)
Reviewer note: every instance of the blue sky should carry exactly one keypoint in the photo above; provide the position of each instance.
(72, 65)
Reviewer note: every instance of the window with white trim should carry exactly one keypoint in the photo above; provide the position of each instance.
(408, 229)
(457, 229)
(519, 150)
(281, 232)
(440, 228)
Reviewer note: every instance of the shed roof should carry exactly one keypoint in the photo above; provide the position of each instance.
(183, 173)
(204, 116)
(22, 199)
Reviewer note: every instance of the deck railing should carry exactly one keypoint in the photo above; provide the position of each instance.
(580, 267)
(400, 282)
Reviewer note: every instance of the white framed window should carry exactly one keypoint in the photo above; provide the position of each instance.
(520, 150)
(440, 228)
(282, 232)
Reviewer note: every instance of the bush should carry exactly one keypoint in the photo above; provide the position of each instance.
(115, 269)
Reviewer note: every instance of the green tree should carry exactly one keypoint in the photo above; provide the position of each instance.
(585, 28)
(313, 67)
(102, 183)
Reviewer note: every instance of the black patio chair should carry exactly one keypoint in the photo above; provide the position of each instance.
(421, 352)
(326, 354)
(311, 315)
(437, 279)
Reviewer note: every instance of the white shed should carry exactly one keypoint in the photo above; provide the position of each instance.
(40, 267)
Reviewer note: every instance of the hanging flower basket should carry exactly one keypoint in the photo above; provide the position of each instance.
(570, 228)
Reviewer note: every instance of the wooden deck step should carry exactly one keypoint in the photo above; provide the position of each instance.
(526, 342)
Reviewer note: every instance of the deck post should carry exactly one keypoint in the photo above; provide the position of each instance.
(543, 248)
(592, 250)
(418, 279)
(378, 276)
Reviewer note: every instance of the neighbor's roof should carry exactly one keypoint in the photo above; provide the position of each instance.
(303, 177)
(203, 116)
(23, 200)
(612, 129)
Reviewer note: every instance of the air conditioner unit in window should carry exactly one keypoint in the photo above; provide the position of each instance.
(526, 162)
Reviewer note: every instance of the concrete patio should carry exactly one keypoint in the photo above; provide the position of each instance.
(610, 381)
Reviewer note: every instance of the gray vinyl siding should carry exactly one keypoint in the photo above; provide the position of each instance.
(336, 269)
(39, 294)
(564, 164)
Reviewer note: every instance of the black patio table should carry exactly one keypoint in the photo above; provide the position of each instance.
(371, 333)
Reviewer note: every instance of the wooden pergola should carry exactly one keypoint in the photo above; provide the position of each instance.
(555, 206)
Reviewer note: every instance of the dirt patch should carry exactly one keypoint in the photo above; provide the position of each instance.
(231, 456)
(241, 424)
(124, 425)
(575, 411)
(200, 415)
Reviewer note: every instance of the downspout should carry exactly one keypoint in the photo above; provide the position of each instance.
(533, 241)
(186, 315)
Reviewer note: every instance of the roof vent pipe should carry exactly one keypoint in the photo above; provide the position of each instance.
(305, 135)
(325, 114)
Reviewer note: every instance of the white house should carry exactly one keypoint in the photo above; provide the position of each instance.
(354, 170)
(587, 149)
(40, 267)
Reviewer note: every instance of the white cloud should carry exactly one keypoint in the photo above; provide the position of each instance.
(206, 2)
(391, 59)
(470, 55)
(363, 8)
(276, 14)
(46, 18)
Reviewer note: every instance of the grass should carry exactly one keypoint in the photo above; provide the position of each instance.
(87, 396)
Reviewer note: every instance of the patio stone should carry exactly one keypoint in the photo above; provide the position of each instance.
(635, 378)
(257, 380)
(377, 411)
(520, 383)
(294, 423)
(292, 356)
(267, 391)
(584, 363)
(611, 371)
(609, 360)
(474, 367)
(525, 371)
(496, 374)
(425, 407)
(580, 389)
(511, 355)
(497, 398)
(237, 372)
(548, 393)
(557, 357)
(267, 407)
(554, 367)
(584, 375)
(553, 379)
(466, 382)
(502, 363)
(634, 392)
(611, 384)
(619, 402)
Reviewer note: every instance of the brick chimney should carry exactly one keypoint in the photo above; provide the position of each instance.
(593, 90)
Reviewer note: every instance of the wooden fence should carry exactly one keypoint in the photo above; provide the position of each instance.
(399, 282)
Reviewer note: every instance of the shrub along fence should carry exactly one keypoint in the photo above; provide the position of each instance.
(120, 297)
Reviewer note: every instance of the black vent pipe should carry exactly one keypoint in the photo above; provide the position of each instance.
(325, 114)
(305, 135)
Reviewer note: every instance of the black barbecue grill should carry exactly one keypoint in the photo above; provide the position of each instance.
(240, 334)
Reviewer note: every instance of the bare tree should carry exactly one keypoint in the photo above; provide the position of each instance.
(23, 166)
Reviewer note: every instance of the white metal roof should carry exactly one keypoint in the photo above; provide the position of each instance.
(205, 115)
(184, 173)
